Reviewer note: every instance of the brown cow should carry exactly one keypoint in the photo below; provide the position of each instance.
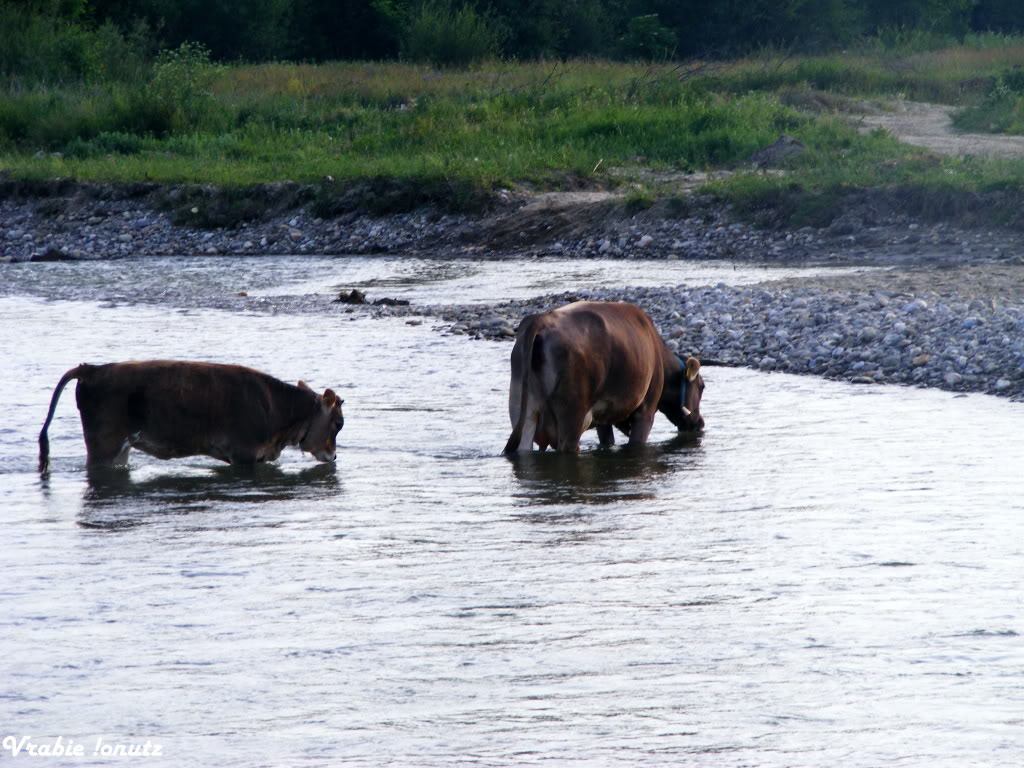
(170, 409)
(597, 364)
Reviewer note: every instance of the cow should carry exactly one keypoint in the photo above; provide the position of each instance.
(600, 364)
(171, 408)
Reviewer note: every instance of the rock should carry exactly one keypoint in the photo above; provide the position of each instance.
(952, 378)
(867, 333)
(388, 302)
(844, 225)
(920, 360)
(775, 154)
(355, 296)
(645, 241)
(53, 254)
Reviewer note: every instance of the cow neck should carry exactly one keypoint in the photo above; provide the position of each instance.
(312, 416)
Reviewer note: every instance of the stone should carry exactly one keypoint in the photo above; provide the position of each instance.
(355, 296)
(389, 302)
(867, 333)
(53, 254)
(777, 153)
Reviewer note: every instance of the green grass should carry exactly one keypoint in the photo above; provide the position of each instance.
(546, 124)
(889, 177)
(533, 123)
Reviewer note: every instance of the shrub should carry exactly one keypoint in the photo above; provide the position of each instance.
(182, 79)
(646, 38)
(41, 42)
(447, 37)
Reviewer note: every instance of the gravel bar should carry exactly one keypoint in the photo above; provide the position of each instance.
(918, 328)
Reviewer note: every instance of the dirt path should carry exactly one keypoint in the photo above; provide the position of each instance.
(930, 126)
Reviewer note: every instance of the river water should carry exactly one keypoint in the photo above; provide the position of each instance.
(829, 576)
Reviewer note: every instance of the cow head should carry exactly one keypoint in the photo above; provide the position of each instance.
(322, 435)
(680, 399)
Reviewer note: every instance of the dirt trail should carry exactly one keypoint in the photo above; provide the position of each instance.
(930, 126)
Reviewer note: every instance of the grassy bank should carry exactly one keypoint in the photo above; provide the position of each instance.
(544, 124)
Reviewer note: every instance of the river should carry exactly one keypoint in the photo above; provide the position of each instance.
(828, 576)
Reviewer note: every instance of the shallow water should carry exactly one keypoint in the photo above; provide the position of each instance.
(216, 281)
(828, 576)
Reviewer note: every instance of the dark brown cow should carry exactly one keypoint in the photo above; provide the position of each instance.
(597, 364)
(170, 409)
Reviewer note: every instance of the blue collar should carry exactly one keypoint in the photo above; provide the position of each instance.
(685, 384)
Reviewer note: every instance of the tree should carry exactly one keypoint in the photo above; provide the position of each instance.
(998, 16)
(945, 16)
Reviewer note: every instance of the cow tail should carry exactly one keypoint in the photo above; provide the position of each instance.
(517, 431)
(44, 441)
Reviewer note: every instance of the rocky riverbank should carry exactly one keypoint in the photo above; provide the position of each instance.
(946, 311)
(63, 220)
(958, 329)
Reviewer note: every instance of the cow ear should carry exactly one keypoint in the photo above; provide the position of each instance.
(692, 368)
(304, 385)
(330, 398)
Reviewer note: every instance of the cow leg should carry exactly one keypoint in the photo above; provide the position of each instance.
(542, 439)
(243, 458)
(606, 434)
(106, 449)
(640, 425)
(570, 425)
(106, 442)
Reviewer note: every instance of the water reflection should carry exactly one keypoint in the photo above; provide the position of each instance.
(626, 473)
(137, 502)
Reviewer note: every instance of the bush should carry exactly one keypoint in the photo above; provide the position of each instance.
(646, 38)
(445, 37)
(182, 79)
(40, 43)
